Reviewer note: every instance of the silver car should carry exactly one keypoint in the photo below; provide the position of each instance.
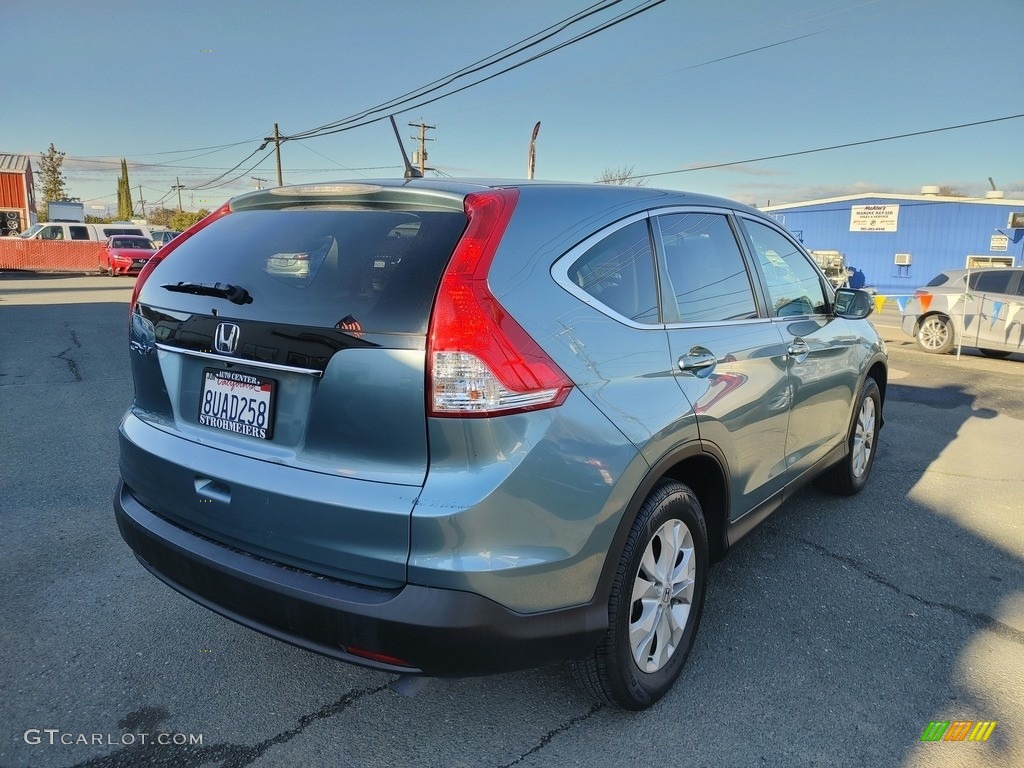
(975, 308)
(493, 426)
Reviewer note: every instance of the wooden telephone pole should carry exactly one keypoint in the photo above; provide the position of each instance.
(422, 138)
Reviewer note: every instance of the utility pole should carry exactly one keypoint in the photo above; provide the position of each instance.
(259, 182)
(178, 186)
(276, 138)
(423, 142)
(142, 203)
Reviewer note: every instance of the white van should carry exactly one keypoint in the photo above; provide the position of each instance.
(65, 230)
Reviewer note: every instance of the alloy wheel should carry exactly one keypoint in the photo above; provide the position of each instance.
(864, 437)
(662, 597)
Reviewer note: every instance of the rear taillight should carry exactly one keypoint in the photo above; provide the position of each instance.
(481, 361)
(166, 251)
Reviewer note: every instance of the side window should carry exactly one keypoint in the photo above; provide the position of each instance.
(992, 281)
(1020, 285)
(79, 233)
(619, 272)
(52, 233)
(705, 268)
(794, 287)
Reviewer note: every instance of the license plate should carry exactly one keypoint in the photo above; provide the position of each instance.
(237, 402)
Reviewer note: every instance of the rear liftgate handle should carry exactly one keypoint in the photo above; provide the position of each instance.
(211, 490)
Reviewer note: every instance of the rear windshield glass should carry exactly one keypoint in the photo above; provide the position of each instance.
(353, 269)
(940, 279)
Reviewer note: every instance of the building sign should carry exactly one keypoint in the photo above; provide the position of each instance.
(874, 218)
(999, 243)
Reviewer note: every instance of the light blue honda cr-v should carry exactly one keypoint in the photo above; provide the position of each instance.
(453, 428)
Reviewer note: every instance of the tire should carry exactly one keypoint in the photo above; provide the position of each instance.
(998, 354)
(851, 474)
(633, 668)
(935, 335)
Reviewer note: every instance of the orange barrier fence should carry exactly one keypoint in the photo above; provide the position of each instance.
(50, 255)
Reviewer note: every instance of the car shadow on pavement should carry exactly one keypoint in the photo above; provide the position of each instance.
(868, 618)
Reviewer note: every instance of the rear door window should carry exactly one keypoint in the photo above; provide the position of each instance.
(992, 281)
(373, 270)
(706, 272)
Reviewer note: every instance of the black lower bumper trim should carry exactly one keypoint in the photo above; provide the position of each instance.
(436, 632)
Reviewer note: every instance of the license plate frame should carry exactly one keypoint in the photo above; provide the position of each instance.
(230, 401)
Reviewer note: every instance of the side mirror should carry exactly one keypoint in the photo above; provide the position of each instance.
(853, 303)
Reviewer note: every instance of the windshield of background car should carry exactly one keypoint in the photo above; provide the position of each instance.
(131, 242)
(373, 270)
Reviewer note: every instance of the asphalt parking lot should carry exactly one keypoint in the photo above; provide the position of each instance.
(833, 635)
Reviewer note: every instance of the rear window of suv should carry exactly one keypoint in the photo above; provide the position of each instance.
(373, 270)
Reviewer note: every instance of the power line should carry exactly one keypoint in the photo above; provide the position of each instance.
(213, 183)
(826, 149)
(469, 69)
(346, 126)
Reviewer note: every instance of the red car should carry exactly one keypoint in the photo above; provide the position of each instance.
(126, 254)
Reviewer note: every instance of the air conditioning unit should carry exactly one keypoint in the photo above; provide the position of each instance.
(1016, 220)
(902, 260)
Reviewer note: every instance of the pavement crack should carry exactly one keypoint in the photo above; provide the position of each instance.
(74, 335)
(547, 737)
(72, 364)
(172, 755)
(982, 620)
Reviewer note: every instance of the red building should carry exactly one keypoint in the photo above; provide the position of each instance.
(17, 194)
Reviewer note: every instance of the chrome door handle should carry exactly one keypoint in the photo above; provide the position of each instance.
(695, 361)
(799, 350)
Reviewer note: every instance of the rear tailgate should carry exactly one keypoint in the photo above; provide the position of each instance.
(279, 365)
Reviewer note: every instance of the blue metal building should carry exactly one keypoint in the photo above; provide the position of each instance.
(897, 243)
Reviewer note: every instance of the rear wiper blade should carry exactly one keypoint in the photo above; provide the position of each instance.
(233, 293)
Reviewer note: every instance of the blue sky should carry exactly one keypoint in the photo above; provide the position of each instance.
(144, 80)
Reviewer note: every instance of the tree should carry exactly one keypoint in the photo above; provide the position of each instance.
(621, 177)
(54, 185)
(185, 219)
(947, 191)
(161, 217)
(124, 194)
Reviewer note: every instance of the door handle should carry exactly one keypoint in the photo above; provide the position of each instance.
(799, 350)
(697, 359)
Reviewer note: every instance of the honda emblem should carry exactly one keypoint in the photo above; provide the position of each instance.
(226, 338)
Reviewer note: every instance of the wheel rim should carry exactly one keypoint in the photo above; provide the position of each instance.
(662, 596)
(864, 437)
(934, 333)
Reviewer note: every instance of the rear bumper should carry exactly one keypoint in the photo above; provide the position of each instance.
(436, 632)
